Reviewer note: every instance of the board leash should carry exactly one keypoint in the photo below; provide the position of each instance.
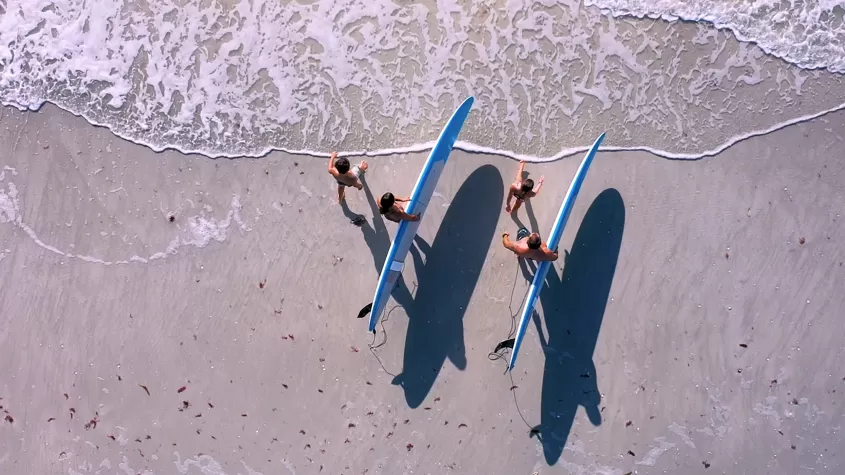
(501, 349)
(498, 353)
(372, 345)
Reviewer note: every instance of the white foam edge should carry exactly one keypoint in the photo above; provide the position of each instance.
(719, 25)
(202, 229)
(463, 145)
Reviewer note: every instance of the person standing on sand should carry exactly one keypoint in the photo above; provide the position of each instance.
(521, 189)
(529, 246)
(344, 176)
(392, 211)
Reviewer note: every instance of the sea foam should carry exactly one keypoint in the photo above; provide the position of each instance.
(243, 78)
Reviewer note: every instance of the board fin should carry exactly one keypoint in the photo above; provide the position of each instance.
(364, 311)
(504, 344)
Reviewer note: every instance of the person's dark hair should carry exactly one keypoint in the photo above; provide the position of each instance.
(527, 185)
(386, 202)
(534, 241)
(342, 164)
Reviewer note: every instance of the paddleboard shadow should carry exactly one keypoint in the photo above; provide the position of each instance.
(446, 282)
(573, 308)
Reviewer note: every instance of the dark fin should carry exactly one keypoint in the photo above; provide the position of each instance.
(504, 344)
(364, 311)
(535, 431)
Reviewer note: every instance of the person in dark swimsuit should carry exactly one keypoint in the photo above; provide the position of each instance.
(346, 176)
(392, 211)
(521, 189)
(528, 245)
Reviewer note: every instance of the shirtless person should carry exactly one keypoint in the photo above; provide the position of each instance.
(345, 177)
(521, 189)
(392, 211)
(529, 246)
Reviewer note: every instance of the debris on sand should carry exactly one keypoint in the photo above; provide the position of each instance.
(92, 424)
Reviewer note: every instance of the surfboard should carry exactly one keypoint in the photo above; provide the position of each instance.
(552, 242)
(420, 197)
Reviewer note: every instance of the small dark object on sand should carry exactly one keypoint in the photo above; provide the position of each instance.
(358, 220)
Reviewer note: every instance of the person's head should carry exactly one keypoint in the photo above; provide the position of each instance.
(533, 241)
(342, 165)
(386, 202)
(527, 185)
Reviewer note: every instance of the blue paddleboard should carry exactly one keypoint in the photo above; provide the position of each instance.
(552, 243)
(423, 191)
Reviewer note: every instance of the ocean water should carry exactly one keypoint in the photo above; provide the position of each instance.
(233, 78)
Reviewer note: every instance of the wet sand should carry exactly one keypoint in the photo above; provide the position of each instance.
(695, 326)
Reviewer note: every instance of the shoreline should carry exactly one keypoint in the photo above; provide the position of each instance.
(255, 316)
(459, 145)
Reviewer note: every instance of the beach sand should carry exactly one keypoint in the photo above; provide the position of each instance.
(695, 326)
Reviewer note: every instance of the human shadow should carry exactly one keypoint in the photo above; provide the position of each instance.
(377, 239)
(446, 282)
(573, 309)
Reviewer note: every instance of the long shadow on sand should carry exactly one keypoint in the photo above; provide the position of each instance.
(446, 282)
(573, 309)
(378, 240)
(375, 235)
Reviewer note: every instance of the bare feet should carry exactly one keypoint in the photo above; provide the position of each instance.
(363, 166)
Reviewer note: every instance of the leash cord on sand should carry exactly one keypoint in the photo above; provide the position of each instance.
(373, 346)
(493, 356)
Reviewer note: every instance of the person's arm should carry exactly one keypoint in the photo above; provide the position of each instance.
(409, 217)
(332, 170)
(521, 170)
(539, 185)
(507, 242)
(549, 254)
(403, 200)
